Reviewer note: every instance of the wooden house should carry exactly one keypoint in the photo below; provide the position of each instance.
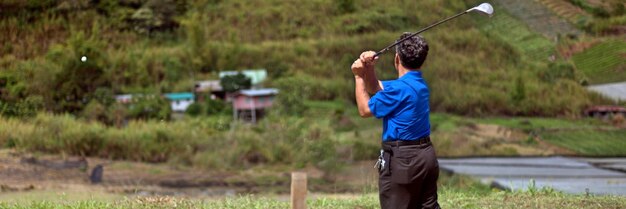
(250, 105)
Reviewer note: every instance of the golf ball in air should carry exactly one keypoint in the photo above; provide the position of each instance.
(83, 59)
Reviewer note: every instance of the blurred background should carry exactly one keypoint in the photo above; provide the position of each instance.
(218, 98)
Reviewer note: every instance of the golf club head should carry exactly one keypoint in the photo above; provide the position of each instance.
(484, 8)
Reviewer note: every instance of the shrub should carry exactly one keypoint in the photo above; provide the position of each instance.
(235, 82)
(345, 6)
(150, 107)
(195, 109)
(215, 106)
(95, 111)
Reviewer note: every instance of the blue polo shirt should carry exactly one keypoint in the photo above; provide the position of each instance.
(403, 106)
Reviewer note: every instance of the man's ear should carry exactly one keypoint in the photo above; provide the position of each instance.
(396, 60)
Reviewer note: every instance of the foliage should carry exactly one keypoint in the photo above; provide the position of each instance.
(558, 70)
(233, 83)
(150, 107)
(24, 108)
(157, 15)
(313, 44)
(208, 107)
(345, 6)
(519, 92)
(603, 62)
(214, 106)
(95, 111)
(194, 109)
(589, 142)
(196, 141)
(291, 100)
(596, 11)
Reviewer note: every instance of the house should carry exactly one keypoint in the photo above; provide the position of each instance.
(209, 87)
(180, 101)
(124, 98)
(251, 104)
(256, 76)
(605, 111)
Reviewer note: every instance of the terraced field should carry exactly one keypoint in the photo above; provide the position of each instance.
(538, 18)
(507, 28)
(566, 10)
(604, 62)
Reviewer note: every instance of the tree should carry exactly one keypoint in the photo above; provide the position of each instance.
(74, 82)
(158, 15)
(233, 83)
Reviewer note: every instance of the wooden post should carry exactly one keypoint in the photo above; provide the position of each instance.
(298, 190)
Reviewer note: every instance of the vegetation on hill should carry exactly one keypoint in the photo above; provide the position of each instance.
(599, 55)
(477, 66)
(157, 46)
(603, 62)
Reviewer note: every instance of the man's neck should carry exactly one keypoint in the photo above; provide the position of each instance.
(402, 71)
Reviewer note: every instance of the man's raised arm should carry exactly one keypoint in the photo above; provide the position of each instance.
(372, 84)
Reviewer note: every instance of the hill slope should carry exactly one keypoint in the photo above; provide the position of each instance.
(153, 46)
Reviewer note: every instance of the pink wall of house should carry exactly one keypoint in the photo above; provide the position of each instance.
(249, 102)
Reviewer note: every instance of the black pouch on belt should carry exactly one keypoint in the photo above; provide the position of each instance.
(401, 164)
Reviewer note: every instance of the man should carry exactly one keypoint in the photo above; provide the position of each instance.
(408, 167)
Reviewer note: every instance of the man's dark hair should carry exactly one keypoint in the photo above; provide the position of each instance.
(412, 51)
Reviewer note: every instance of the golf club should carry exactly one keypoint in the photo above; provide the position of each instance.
(484, 8)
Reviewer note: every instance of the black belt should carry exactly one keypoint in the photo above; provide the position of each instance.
(397, 143)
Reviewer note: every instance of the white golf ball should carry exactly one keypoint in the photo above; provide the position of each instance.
(83, 59)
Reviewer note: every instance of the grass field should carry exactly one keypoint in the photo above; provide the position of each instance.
(590, 142)
(448, 198)
(528, 124)
(585, 137)
(501, 26)
(604, 62)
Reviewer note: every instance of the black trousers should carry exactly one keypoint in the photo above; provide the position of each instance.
(408, 178)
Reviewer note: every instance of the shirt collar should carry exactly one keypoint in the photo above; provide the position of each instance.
(413, 74)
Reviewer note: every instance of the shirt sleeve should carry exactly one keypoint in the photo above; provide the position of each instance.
(385, 101)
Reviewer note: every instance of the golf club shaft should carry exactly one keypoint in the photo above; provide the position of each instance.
(418, 32)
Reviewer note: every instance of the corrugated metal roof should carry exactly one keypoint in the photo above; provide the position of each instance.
(210, 85)
(179, 96)
(616, 91)
(259, 92)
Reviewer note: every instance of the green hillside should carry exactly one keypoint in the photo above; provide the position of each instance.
(599, 54)
(476, 65)
(604, 62)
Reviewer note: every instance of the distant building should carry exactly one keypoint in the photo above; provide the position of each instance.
(211, 88)
(605, 111)
(180, 101)
(251, 104)
(124, 98)
(256, 76)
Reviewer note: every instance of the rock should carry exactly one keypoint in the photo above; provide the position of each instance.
(96, 174)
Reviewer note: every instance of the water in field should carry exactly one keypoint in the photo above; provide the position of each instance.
(570, 175)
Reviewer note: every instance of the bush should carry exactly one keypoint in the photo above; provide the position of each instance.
(215, 106)
(95, 111)
(25, 108)
(150, 107)
(235, 82)
(345, 6)
(195, 109)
